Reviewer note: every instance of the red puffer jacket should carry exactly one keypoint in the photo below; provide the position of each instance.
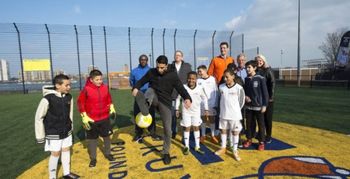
(95, 101)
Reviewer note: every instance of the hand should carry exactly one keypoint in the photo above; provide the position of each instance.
(247, 99)
(134, 92)
(86, 119)
(187, 103)
(263, 109)
(271, 100)
(177, 113)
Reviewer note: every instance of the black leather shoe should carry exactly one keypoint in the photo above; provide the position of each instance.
(92, 163)
(173, 136)
(109, 157)
(166, 159)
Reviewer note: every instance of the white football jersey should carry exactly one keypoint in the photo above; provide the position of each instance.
(211, 90)
(198, 96)
(231, 101)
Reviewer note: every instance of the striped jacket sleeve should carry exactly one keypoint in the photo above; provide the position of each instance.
(39, 120)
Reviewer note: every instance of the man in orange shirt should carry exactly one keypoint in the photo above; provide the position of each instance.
(219, 64)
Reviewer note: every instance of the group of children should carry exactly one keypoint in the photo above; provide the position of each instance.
(226, 101)
(54, 115)
(54, 120)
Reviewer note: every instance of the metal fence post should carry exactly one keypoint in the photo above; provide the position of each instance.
(212, 43)
(163, 41)
(92, 48)
(152, 50)
(78, 54)
(104, 34)
(130, 60)
(242, 43)
(231, 43)
(175, 40)
(194, 49)
(20, 56)
(49, 38)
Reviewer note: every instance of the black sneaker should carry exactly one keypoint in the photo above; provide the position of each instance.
(92, 163)
(268, 140)
(109, 157)
(138, 139)
(156, 137)
(166, 159)
(71, 176)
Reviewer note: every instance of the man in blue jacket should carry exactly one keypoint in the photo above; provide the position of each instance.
(136, 74)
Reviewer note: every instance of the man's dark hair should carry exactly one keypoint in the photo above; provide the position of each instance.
(253, 63)
(58, 79)
(224, 43)
(162, 59)
(143, 56)
(95, 73)
(202, 67)
(191, 73)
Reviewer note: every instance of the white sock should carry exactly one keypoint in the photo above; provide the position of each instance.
(235, 142)
(203, 127)
(196, 138)
(65, 159)
(212, 129)
(231, 139)
(187, 139)
(223, 140)
(53, 166)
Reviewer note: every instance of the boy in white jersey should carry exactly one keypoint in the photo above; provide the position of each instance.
(231, 103)
(211, 90)
(191, 117)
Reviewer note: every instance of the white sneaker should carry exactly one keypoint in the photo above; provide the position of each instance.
(236, 156)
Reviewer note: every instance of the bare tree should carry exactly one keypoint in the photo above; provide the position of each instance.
(331, 44)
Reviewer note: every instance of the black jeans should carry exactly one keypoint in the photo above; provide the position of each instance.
(268, 120)
(152, 127)
(253, 117)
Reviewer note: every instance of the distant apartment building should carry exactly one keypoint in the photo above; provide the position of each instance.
(4, 70)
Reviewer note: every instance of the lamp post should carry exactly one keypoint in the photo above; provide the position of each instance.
(281, 57)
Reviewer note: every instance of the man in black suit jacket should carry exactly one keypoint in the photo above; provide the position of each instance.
(181, 68)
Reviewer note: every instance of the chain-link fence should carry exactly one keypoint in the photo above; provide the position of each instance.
(75, 50)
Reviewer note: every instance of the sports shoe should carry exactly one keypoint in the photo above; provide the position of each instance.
(220, 151)
(261, 146)
(202, 138)
(247, 143)
(214, 140)
(138, 139)
(156, 137)
(198, 150)
(71, 176)
(236, 156)
(109, 157)
(92, 163)
(186, 151)
(268, 140)
(166, 159)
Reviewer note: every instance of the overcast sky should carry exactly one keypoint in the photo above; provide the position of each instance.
(269, 24)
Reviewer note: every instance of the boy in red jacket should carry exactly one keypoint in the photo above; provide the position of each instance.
(95, 105)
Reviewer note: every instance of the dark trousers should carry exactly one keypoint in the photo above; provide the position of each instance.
(268, 120)
(251, 118)
(152, 127)
(173, 120)
(165, 115)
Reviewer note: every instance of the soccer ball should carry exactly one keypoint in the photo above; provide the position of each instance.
(143, 121)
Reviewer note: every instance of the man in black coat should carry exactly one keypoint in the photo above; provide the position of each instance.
(161, 85)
